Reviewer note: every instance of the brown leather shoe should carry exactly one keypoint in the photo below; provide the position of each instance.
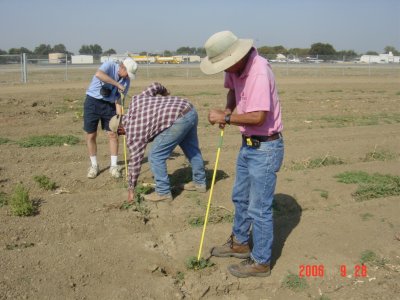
(155, 197)
(232, 248)
(192, 186)
(249, 268)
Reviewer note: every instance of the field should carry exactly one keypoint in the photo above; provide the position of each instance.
(336, 209)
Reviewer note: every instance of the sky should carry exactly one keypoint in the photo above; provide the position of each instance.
(155, 26)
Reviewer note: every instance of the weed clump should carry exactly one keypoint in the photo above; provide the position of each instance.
(45, 182)
(193, 264)
(294, 282)
(20, 203)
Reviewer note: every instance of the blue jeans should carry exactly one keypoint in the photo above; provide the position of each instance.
(183, 133)
(253, 194)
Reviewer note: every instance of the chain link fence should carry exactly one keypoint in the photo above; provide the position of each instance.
(39, 69)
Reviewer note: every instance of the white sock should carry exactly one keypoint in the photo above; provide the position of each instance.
(93, 159)
(114, 160)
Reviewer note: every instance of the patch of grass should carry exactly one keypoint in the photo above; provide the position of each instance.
(366, 216)
(193, 264)
(327, 160)
(335, 91)
(48, 140)
(366, 120)
(371, 186)
(3, 199)
(45, 182)
(4, 141)
(295, 283)
(20, 203)
(398, 94)
(216, 215)
(324, 194)
(370, 257)
(382, 155)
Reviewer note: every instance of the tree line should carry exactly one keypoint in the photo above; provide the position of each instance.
(323, 49)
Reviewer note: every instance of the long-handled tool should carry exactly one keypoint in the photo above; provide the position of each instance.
(211, 192)
(122, 111)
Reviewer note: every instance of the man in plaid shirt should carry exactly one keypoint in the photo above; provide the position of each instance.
(166, 121)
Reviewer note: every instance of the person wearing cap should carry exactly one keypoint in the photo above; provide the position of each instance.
(101, 104)
(253, 105)
(165, 121)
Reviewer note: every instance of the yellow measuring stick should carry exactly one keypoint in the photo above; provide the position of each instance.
(211, 192)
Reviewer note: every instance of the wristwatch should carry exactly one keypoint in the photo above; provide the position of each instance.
(228, 119)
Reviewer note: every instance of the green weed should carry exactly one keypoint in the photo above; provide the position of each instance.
(398, 94)
(45, 182)
(48, 140)
(317, 163)
(19, 246)
(193, 264)
(371, 186)
(370, 257)
(4, 141)
(20, 203)
(295, 283)
(216, 215)
(3, 199)
(366, 216)
(382, 155)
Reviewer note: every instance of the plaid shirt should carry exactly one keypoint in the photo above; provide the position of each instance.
(148, 115)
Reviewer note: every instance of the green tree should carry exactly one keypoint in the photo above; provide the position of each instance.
(59, 48)
(96, 49)
(346, 54)
(167, 53)
(299, 51)
(85, 49)
(13, 51)
(371, 53)
(391, 49)
(109, 52)
(322, 49)
(42, 49)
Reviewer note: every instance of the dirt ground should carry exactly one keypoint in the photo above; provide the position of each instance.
(80, 245)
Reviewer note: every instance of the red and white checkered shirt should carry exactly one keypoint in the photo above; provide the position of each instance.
(149, 114)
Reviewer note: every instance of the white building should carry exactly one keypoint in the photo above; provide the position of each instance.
(82, 59)
(380, 59)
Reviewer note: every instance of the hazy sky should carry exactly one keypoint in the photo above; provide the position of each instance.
(146, 25)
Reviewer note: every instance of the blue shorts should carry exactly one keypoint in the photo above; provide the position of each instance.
(95, 110)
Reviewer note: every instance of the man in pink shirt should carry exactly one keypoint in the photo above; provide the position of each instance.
(252, 92)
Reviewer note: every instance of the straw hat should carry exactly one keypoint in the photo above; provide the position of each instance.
(131, 67)
(224, 50)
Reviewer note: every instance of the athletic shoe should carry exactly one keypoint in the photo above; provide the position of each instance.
(93, 172)
(115, 172)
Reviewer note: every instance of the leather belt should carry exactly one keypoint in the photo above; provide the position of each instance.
(264, 138)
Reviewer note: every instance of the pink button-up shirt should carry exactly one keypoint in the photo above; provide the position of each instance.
(255, 90)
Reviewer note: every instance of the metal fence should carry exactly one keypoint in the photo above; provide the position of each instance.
(26, 68)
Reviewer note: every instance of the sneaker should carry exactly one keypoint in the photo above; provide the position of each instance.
(192, 186)
(114, 171)
(93, 172)
(232, 248)
(156, 197)
(249, 268)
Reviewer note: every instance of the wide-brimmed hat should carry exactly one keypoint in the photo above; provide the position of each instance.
(131, 66)
(114, 123)
(224, 49)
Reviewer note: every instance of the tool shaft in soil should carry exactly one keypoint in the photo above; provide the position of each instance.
(211, 192)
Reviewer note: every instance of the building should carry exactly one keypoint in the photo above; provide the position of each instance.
(380, 59)
(82, 59)
(56, 58)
